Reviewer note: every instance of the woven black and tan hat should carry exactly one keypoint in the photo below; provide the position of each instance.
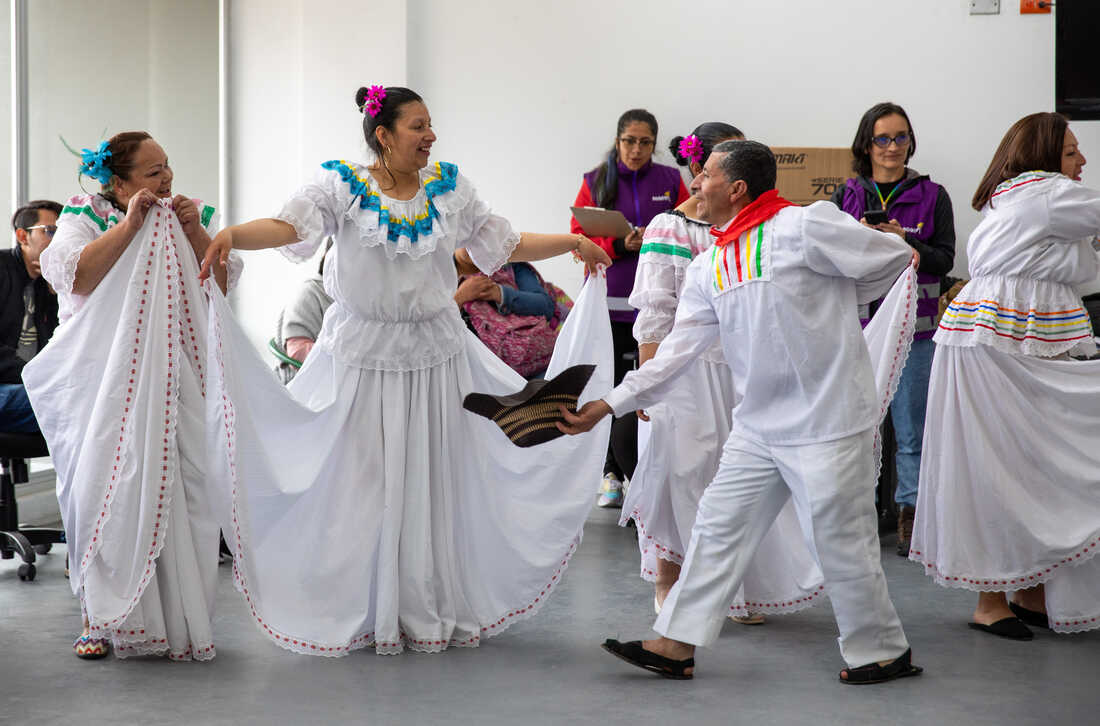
(527, 417)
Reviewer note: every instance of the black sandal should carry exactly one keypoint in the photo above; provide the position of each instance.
(1029, 616)
(900, 667)
(634, 654)
(1011, 627)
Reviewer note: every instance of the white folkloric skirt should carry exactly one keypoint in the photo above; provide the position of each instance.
(367, 508)
(1010, 479)
(681, 452)
(118, 394)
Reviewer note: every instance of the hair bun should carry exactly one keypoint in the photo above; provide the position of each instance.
(361, 97)
(674, 148)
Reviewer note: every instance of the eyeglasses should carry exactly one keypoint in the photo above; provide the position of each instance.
(645, 143)
(49, 229)
(902, 140)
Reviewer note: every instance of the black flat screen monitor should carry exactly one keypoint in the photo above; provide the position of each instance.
(1076, 67)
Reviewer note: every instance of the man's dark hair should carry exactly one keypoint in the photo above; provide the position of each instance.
(749, 161)
(27, 215)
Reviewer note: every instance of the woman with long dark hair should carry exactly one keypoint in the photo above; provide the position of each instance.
(627, 180)
(1009, 498)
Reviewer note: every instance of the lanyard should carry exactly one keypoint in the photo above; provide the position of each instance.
(889, 196)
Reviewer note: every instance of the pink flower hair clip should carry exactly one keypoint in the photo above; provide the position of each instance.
(691, 148)
(373, 102)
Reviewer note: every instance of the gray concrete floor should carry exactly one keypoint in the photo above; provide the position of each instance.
(549, 670)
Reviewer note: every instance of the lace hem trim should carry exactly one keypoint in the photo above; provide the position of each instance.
(67, 268)
(391, 346)
(897, 366)
(376, 364)
(1008, 583)
(168, 458)
(1018, 315)
(492, 265)
(159, 646)
(305, 646)
(234, 268)
(304, 231)
(649, 337)
(780, 608)
(1034, 348)
(1076, 625)
(661, 549)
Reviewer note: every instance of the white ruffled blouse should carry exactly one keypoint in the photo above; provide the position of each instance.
(671, 242)
(391, 271)
(1034, 246)
(83, 219)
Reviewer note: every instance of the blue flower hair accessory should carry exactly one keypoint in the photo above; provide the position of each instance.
(94, 163)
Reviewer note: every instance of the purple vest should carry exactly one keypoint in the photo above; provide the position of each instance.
(642, 196)
(915, 210)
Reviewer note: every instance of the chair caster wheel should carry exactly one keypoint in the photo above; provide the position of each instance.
(43, 549)
(27, 572)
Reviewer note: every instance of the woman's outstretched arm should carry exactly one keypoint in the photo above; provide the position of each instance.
(533, 246)
(260, 234)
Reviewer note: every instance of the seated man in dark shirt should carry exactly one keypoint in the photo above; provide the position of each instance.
(28, 310)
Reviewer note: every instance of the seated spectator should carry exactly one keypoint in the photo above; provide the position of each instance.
(300, 323)
(29, 313)
(515, 313)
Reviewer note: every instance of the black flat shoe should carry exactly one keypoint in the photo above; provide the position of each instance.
(900, 667)
(634, 654)
(1030, 617)
(1011, 628)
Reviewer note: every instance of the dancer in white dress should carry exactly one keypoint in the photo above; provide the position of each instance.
(687, 428)
(432, 530)
(1010, 481)
(119, 395)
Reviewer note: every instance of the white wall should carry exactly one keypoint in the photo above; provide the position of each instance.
(525, 95)
(293, 74)
(130, 65)
(6, 209)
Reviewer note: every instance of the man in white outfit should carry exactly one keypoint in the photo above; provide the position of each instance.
(780, 288)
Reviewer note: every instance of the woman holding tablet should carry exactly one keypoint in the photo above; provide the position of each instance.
(629, 181)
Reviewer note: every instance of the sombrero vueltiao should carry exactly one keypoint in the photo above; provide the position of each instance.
(527, 417)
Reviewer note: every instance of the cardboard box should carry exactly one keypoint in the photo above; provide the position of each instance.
(807, 174)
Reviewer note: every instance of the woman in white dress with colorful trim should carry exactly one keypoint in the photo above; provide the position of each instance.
(118, 393)
(1009, 498)
(688, 428)
(434, 530)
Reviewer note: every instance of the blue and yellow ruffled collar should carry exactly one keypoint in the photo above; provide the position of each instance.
(442, 178)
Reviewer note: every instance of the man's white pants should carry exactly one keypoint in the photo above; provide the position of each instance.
(832, 484)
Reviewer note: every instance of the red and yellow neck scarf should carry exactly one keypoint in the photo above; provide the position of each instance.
(758, 211)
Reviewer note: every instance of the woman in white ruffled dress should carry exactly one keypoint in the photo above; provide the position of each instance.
(118, 393)
(1009, 498)
(371, 509)
(687, 429)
